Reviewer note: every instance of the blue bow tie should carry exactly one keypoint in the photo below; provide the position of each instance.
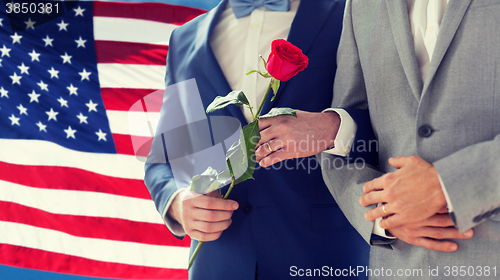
(242, 8)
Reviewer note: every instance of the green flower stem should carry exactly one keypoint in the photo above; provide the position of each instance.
(264, 99)
(200, 243)
(195, 253)
(229, 190)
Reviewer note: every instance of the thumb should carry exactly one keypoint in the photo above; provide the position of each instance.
(399, 162)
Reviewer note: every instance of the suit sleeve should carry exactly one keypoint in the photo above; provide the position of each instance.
(159, 177)
(471, 177)
(345, 177)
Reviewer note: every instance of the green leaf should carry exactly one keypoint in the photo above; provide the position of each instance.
(265, 62)
(253, 71)
(237, 98)
(279, 112)
(276, 86)
(240, 158)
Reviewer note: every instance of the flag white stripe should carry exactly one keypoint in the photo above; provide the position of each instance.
(114, 75)
(132, 30)
(130, 253)
(81, 203)
(133, 123)
(44, 153)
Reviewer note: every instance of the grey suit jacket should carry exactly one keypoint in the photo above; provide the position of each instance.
(451, 120)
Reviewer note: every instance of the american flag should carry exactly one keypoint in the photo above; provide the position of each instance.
(72, 197)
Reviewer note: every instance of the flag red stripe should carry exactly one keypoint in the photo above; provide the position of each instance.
(30, 258)
(122, 99)
(124, 145)
(147, 11)
(68, 178)
(91, 227)
(130, 53)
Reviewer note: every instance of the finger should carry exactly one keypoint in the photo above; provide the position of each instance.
(443, 210)
(377, 212)
(202, 236)
(266, 123)
(438, 220)
(397, 220)
(400, 162)
(203, 215)
(436, 245)
(214, 203)
(370, 198)
(443, 233)
(274, 158)
(374, 185)
(211, 227)
(264, 150)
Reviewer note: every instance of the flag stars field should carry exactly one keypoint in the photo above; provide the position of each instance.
(22, 110)
(85, 75)
(16, 79)
(41, 126)
(30, 24)
(34, 96)
(53, 73)
(70, 133)
(64, 103)
(5, 51)
(101, 135)
(43, 86)
(14, 120)
(92, 106)
(34, 56)
(16, 38)
(80, 42)
(66, 58)
(62, 25)
(3, 93)
(24, 69)
(52, 115)
(48, 41)
(79, 11)
(82, 118)
(72, 89)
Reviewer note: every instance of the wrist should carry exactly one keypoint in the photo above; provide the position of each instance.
(331, 124)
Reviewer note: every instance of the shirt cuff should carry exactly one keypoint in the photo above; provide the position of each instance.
(380, 231)
(172, 225)
(345, 135)
(446, 196)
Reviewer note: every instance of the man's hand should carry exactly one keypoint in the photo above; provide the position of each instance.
(286, 137)
(203, 217)
(430, 233)
(411, 194)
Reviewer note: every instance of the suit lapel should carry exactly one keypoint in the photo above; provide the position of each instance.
(449, 25)
(401, 31)
(313, 14)
(208, 62)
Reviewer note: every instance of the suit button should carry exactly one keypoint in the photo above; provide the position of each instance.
(478, 219)
(247, 209)
(425, 131)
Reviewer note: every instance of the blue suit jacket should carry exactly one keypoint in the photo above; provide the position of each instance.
(287, 218)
